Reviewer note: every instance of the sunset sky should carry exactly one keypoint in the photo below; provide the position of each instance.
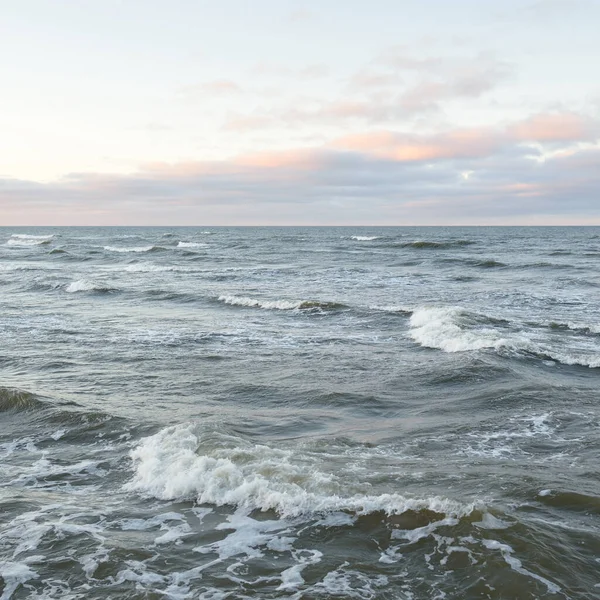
(279, 112)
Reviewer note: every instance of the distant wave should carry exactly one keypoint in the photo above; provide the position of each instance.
(430, 244)
(151, 268)
(365, 238)
(83, 285)
(454, 329)
(403, 310)
(426, 244)
(578, 327)
(134, 249)
(22, 239)
(280, 304)
(192, 245)
(177, 463)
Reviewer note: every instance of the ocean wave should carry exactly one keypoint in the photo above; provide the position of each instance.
(152, 268)
(178, 463)
(29, 240)
(455, 329)
(365, 238)
(403, 310)
(134, 249)
(192, 245)
(26, 236)
(18, 401)
(280, 304)
(426, 244)
(452, 329)
(585, 328)
(83, 285)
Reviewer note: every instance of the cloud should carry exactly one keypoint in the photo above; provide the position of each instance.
(393, 87)
(556, 127)
(382, 177)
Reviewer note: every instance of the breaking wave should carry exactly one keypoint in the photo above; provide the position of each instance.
(134, 249)
(425, 244)
(83, 285)
(280, 304)
(364, 238)
(192, 245)
(179, 463)
(22, 239)
(454, 329)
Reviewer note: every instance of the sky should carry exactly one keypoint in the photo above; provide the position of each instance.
(299, 112)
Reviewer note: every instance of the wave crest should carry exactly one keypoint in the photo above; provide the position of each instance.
(192, 245)
(133, 249)
(454, 329)
(178, 464)
(280, 304)
(83, 285)
(21, 239)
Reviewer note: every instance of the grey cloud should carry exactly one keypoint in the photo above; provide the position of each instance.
(327, 186)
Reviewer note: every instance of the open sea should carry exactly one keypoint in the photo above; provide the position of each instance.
(302, 413)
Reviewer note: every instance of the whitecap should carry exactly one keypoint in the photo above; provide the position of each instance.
(192, 245)
(134, 249)
(171, 465)
(279, 304)
(454, 329)
(83, 285)
(365, 238)
(24, 240)
(450, 329)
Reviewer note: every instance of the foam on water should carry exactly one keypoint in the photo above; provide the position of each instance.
(364, 238)
(448, 328)
(279, 304)
(455, 329)
(28, 240)
(132, 249)
(83, 285)
(170, 465)
(192, 245)
(507, 554)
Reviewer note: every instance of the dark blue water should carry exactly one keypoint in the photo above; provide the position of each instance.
(402, 413)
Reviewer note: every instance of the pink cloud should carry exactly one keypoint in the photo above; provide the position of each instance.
(465, 143)
(555, 127)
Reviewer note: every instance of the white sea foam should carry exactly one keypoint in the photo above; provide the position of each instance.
(83, 285)
(365, 238)
(14, 574)
(134, 249)
(152, 268)
(454, 329)
(22, 239)
(449, 328)
(516, 565)
(26, 236)
(315, 305)
(192, 245)
(392, 308)
(170, 465)
(266, 304)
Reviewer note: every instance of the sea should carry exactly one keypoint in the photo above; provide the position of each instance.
(212, 413)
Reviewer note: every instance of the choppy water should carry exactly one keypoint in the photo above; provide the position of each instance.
(394, 413)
